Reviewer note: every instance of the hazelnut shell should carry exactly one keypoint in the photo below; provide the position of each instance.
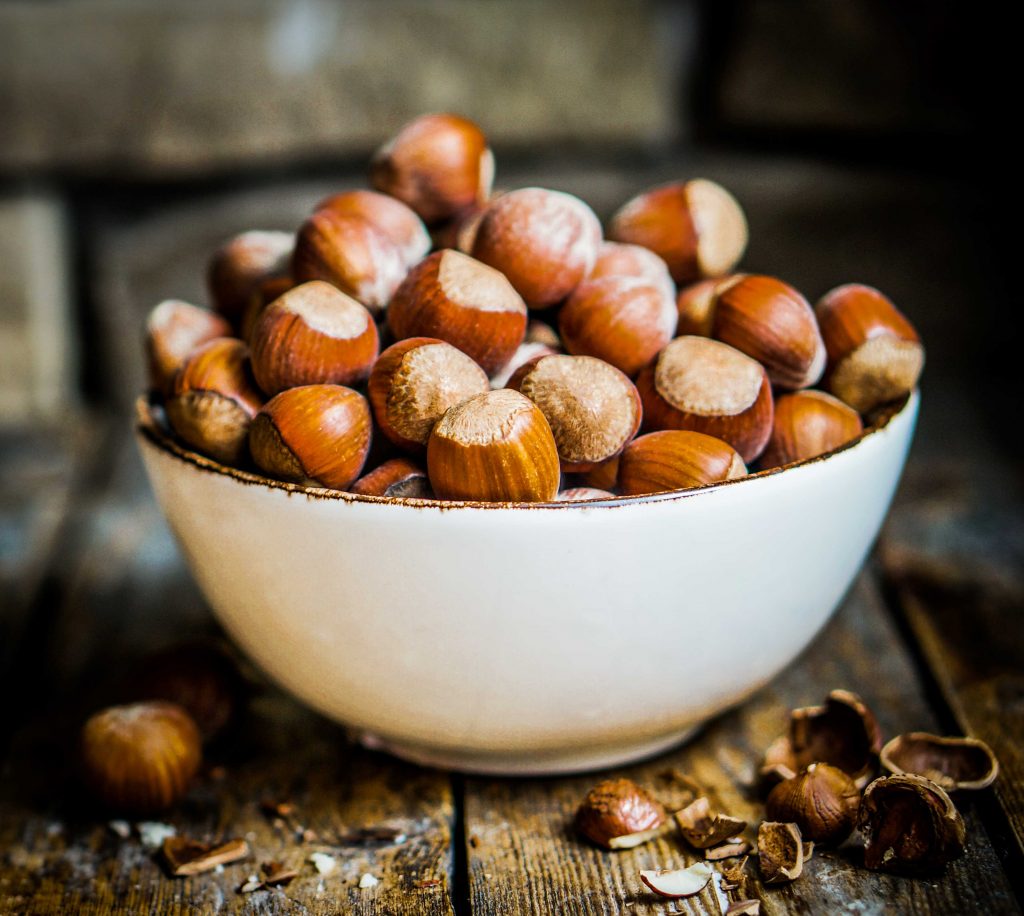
(955, 764)
(619, 814)
(676, 460)
(822, 801)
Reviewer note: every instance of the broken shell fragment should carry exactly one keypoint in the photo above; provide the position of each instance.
(702, 828)
(679, 882)
(619, 814)
(910, 825)
(956, 764)
(780, 850)
(733, 849)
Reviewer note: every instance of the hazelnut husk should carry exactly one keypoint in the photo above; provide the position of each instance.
(956, 764)
(702, 828)
(822, 801)
(619, 814)
(910, 825)
(780, 850)
(842, 732)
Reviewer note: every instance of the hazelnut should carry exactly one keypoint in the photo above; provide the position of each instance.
(696, 227)
(619, 814)
(265, 292)
(772, 323)
(675, 460)
(173, 330)
(457, 299)
(910, 825)
(709, 387)
(544, 241)
(496, 446)
(350, 253)
(603, 476)
(780, 852)
(808, 424)
(313, 334)
(625, 321)
(213, 399)
(313, 434)
(414, 382)
(702, 828)
(617, 259)
(525, 353)
(695, 304)
(593, 409)
(393, 219)
(582, 494)
(438, 164)
(140, 758)
(397, 478)
(955, 764)
(874, 353)
(459, 232)
(678, 882)
(822, 801)
(243, 262)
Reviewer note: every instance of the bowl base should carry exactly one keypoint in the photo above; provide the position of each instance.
(537, 763)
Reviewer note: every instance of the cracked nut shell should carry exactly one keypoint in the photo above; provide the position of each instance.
(956, 764)
(619, 814)
(822, 801)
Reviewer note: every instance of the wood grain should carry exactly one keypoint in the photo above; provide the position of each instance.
(524, 856)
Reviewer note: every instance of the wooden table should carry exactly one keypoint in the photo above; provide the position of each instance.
(92, 582)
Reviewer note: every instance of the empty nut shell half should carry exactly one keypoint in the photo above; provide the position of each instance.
(703, 828)
(956, 764)
(780, 850)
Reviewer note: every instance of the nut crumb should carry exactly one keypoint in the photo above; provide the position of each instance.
(153, 833)
(323, 863)
(368, 880)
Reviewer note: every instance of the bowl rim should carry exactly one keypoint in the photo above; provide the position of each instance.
(149, 427)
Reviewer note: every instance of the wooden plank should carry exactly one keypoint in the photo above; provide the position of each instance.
(524, 856)
(127, 592)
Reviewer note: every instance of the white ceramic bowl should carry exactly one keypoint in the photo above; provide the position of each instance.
(528, 639)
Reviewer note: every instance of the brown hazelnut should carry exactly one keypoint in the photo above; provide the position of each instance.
(173, 330)
(808, 424)
(696, 227)
(457, 299)
(695, 305)
(414, 382)
(213, 399)
(874, 353)
(618, 259)
(593, 409)
(702, 828)
(438, 164)
(675, 460)
(265, 292)
(389, 216)
(955, 764)
(313, 334)
(544, 241)
(313, 434)
(140, 758)
(625, 321)
(243, 262)
(706, 386)
(494, 447)
(398, 478)
(604, 476)
(619, 814)
(350, 253)
(780, 852)
(910, 825)
(822, 801)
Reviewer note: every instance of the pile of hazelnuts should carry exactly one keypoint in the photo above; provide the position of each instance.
(522, 351)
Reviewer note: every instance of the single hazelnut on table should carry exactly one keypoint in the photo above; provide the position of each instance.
(398, 477)
(675, 460)
(709, 387)
(696, 227)
(140, 758)
(695, 305)
(910, 826)
(387, 215)
(173, 330)
(350, 253)
(313, 434)
(623, 320)
(808, 424)
(618, 259)
(773, 323)
(313, 334)
(496, 446)
(545, 242)
(593, 409)
(414, 382)
(455, 298)
(581, 494)
(243, 262)
(874, 353)
(213, 399)
(438, 164)
(619, 814)
(822, 801)
(780, 852)
(955, 764)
